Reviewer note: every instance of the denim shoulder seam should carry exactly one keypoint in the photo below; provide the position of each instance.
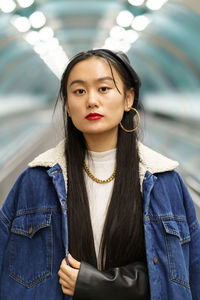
(194, 227)
(4, 219)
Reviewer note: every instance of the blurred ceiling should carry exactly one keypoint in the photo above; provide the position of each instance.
(161, 38)
(163, 47)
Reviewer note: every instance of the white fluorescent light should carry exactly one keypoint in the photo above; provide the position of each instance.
(25, 3)
(32, 37)
(7, 6)
(130, 36)
(140, 23)
(136, 2)
(46, 33)
(37, 19)
(117, 32)
(124, 18)
(21, 23)
(155, 4)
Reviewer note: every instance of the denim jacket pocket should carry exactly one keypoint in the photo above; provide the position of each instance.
(31, 248)
(177, 238)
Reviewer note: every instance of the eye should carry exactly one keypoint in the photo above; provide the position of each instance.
(79, 92)
(104, 89)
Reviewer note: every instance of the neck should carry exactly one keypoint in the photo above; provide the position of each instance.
(101, 142)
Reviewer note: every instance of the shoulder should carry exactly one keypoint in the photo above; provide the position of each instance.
(172, 182)
(29, 182)
(30, 178)
(169, 178)
(167, 188)
(171, 194)
(32, 189)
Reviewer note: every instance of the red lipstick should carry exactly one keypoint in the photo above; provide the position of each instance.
(93, 116)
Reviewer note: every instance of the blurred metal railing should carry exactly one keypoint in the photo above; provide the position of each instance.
(194, 188)
(48, 138)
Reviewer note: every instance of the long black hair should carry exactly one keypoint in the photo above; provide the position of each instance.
(122, 239)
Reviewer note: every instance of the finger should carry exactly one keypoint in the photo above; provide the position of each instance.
(66, 279)
(69, 271)
(64, 267)
(67, 291)
(63, 263)
(66, 284)
(73, 262)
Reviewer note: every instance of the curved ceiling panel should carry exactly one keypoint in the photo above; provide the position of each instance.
(170, 43)
(20, 66)
(81, 22)
(166, 53)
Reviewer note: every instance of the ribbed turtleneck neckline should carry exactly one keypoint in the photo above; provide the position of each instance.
(103, 156)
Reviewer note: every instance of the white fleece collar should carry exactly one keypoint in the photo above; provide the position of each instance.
(150, 160)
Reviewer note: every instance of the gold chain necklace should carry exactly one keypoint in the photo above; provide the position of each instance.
(97, 179)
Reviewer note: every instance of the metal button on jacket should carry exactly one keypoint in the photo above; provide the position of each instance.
(155, 260)
(30, 230)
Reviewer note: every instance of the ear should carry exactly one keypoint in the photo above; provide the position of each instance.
(130, 95)
(67, 109)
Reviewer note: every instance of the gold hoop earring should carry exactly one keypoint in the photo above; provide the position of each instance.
(138, 122)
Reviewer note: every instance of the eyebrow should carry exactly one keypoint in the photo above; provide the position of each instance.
(97, 80)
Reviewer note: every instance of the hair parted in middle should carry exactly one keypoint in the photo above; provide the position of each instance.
(122, 239)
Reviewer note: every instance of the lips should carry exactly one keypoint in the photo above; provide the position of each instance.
(94, 116)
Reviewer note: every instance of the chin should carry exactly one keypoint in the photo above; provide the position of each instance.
(95, 131)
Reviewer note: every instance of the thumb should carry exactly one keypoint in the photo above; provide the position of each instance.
(73, 262)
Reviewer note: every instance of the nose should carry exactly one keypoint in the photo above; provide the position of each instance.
(92, 100)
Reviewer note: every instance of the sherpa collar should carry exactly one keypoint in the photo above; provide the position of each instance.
(150, 160)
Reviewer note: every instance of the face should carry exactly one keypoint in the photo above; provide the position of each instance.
(94, 103)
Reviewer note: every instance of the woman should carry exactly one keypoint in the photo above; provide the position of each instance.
(100, 216)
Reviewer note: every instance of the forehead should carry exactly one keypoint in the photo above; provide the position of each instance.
(93, 68)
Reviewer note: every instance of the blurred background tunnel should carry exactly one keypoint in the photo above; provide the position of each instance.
(162, 41)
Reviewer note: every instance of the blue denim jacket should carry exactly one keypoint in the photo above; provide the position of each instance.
(34, 235)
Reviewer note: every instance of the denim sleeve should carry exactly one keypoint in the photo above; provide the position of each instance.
(7, 213)
(194, 226)
(4, 236)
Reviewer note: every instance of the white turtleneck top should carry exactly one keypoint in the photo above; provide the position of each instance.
(101, 165)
